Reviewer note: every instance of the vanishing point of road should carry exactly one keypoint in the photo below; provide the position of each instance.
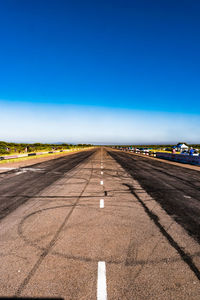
(100, 224)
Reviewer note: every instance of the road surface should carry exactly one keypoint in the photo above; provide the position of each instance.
(100, 224)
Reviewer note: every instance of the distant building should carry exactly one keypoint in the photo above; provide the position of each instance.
(180, 147)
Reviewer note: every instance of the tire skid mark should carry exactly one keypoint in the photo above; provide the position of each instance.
(167, 172)
(129, 260)
(184, 256)
(34, 184)
(188, 259)
(52, 242)
(184, 212)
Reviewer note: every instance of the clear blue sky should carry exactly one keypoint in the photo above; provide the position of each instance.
(118, 58)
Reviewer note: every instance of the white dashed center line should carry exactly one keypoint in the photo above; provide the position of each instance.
(101, 281)
(101, 182)
(101, 167)
(101, 172)
(101, 203)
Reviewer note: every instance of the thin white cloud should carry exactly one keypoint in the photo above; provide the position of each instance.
(24, 122)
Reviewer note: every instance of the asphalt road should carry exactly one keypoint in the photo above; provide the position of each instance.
(100, 224)
(175, 188)
(18, 185)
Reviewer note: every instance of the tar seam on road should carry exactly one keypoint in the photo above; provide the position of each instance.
(51, 244)
(101, 281)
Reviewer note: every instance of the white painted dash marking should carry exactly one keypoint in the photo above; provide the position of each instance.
(186, 196)
(101, 281)
(101, 172)
(101, 182)
(101, 167)
(101, 203)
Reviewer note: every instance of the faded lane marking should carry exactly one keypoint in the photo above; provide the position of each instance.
(101, 182)
(101, 281)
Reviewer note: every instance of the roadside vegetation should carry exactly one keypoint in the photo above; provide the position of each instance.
(7, 148)
(13, 160)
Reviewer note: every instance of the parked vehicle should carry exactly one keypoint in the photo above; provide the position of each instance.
(185, 152)
(196, 152)
(144, 150)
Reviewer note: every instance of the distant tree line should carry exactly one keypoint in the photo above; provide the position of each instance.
(8, 148)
